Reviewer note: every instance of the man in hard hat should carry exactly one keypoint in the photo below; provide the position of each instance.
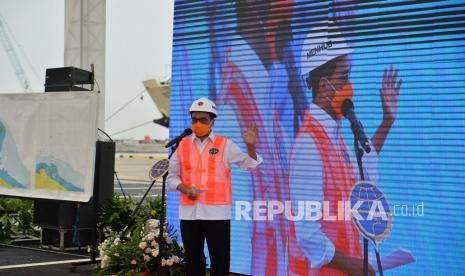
(322, 168)
(200, 171)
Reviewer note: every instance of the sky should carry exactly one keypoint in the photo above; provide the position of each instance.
(138, 46)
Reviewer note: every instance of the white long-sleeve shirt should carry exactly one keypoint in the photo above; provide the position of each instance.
(232, 155)
(307, 183)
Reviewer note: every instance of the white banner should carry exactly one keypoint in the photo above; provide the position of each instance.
(47, 145)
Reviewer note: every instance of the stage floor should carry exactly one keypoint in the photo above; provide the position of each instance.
(26, 259)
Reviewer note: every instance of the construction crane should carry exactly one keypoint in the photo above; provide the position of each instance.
(14, 60)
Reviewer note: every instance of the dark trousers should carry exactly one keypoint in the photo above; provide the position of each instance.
(217, 234)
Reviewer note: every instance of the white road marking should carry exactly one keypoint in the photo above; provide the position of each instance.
(45, 263)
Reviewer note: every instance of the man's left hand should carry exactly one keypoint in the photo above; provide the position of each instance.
(250, 136)
(390, 88)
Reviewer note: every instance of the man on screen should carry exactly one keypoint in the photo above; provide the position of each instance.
(321, 166)
(260, 84)
(201, 172)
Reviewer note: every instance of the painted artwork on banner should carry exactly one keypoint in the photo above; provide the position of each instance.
(312, 75)
(49, 173)
(13, 174)
(47, 145)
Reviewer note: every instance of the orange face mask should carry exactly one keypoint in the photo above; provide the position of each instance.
(346, 92)
(200, 129)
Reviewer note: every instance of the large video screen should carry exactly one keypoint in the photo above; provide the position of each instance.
(289, 67)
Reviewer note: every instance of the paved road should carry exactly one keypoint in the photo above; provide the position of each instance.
(133, 175)
(134, 168)
(137, 188)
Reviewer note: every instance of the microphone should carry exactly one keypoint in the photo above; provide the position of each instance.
(355, 124)
(176, 140)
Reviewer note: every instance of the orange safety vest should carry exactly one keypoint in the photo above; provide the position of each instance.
(206, 170)
(338, 180)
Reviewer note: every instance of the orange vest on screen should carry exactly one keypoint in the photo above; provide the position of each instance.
(206, 170)
(337, 185)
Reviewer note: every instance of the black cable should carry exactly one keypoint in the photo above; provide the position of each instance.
(121, 186)
(98, 86)
(106, 134)
(116, 174)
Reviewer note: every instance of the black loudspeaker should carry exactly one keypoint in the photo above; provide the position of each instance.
(67, 79)
(68, 76)
(104, 170)
(54, 214)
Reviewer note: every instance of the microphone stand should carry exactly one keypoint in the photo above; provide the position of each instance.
(359, 153)
(161, 241)
(136, 210)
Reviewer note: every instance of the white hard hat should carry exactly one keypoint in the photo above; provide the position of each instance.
(321, 45)
(203, 105)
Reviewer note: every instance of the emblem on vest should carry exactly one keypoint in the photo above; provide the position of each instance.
(213, 151)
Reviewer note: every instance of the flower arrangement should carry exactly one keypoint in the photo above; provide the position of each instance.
(142, 250)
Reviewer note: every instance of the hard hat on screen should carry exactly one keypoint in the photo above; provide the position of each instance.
(321, 45)
(203, 105)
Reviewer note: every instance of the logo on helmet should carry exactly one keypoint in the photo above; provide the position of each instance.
(319, 48)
